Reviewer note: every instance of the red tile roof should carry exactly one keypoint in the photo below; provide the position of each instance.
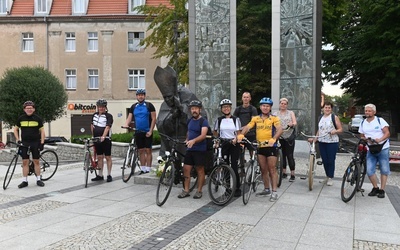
(22, 8)
(158, 2)
(107, 7)
(61, 7)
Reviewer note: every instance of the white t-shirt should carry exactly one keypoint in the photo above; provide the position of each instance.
(373, 129)
(228, 129)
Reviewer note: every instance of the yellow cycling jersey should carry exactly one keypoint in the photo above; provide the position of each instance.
(265, 128)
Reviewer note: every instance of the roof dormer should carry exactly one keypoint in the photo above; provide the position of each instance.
(135, 3)
(79, 7)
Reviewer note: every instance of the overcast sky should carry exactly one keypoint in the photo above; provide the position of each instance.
(332, 90)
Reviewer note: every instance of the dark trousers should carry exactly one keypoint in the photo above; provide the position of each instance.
(288, 153)
(328, 154)
(231, 154)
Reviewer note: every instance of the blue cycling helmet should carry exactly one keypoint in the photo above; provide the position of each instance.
(140, 91)
(266, 100)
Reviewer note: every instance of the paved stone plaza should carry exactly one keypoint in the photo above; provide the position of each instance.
(117, 215)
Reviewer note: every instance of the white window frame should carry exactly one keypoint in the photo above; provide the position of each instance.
(134, 39)
(79, 6)
(3, 6)
(136, 79)
(135, 3)
(93, 79)
(41, 6)
(28, 44)
(70, 42)
(93, 41)
(70, 79)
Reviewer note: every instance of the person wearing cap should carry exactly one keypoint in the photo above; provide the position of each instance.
(268, 131)
(101, 127)
(228, 127)
(32, 135)
(143, 115)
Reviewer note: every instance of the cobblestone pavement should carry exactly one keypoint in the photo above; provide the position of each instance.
(117, 215)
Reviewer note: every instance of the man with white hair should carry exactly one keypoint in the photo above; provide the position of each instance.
(376, 130)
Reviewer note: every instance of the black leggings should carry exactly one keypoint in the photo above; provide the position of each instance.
(231, 154)
(287, 153)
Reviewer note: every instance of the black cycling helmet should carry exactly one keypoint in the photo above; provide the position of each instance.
(266, 100)
(29, 103)
(225, 102)
(101, 102)
(195, 103)
(140, 91)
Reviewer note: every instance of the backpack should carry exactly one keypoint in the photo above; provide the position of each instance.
(333, 119)
(222, 117)
(362, 122)
(209, 141)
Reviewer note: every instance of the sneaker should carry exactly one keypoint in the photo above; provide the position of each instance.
(324, 180)
(329, 182)
(109, 178)
(292, 178)
(274, 197)
(40, 183)
(184, 194)
(98, 178)
(284, 175)
(197, 195)
(374, 191)
(23, 184)
(381, 193)
(238, 192)
(143, 172)
(265, 192)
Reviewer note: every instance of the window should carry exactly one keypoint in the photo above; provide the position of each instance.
(137, 79)
(27, 42)
(41, 6)
(3, 6)
(93, 79)
(70, 41)
(93, 42)
(78, 6)
(70, 75)
(135, 3)
(134, 39)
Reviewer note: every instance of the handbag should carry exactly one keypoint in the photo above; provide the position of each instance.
(292, 137)
(376, 148)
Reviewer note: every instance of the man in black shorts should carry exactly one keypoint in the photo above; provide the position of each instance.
(32, 135)
(101, 127)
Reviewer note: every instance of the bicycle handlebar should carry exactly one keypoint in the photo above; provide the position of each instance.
(314, 136)
(133, 129)
(169, 138)
(17, 144)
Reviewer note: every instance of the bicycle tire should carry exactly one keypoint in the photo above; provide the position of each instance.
(350, 182)
(128, 168)
(311, 169)
(10, 172)
(86, 167)
(165, 183)
(247, 186)
(48, 161)
(363, 172)
(222, 184)
(279, 167)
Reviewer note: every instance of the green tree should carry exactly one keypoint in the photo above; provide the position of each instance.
(35, 84)
(366, 58)
(169, 35)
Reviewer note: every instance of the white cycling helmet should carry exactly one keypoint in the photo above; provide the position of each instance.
(225, 102)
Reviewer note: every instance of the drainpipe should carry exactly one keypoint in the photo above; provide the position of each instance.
(47, 55)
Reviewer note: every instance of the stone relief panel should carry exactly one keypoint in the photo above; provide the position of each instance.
(212, 53)
(297, 59)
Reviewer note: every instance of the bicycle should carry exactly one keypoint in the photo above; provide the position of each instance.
(253, 177)
(172, 172)
(222, 179)
(354, 175)
(311, 162)
(48, 160)
(90, 163)
(131, 159)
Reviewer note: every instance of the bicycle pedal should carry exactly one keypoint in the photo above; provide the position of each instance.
(319, 162)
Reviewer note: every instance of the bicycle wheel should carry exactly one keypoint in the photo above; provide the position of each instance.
(350, 182)
(279, 167)
(10, 172)
(362, 171)
(222, 184)
(165, 183)
(86, 167)
(311, 169)
(247, 186)
(128, 168)
(48, 164)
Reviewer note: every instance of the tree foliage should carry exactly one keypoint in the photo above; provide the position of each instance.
(35, 84)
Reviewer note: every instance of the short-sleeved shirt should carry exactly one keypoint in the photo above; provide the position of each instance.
(194, 130)
(30, 127)
(228, 127)
(142, 115)
(100, 122)
(245, 114)
(374, 128)
(265, 128)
